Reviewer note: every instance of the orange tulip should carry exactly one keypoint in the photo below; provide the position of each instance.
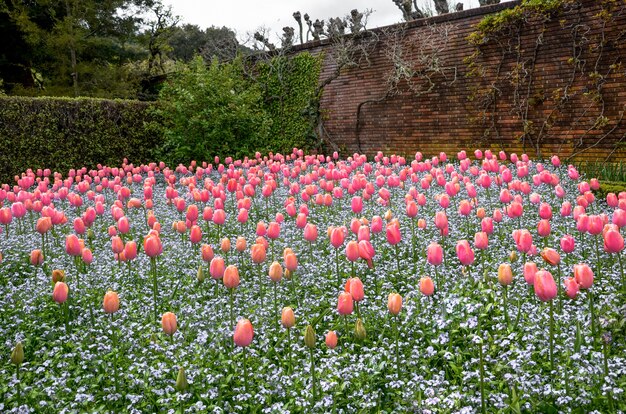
(60, 292)
(287, 317)
(394, 303)
(275, 272)
(291, 261)
(427, 287)
(111, 302)
(258, 253)
(331, 339)
(244, 333)
(225, 245)
(551, 256)
(168, 323)
(231, 277)
(36, 257)
(58, 276)
(240, 244)
(345, 304)
(505, 274)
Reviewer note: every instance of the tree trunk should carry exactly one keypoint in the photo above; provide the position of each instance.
(68, 10)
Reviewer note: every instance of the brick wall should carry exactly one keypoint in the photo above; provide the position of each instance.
(459, 114)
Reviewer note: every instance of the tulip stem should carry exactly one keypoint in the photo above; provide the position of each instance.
(506, 303)
(153, 266)
(558, 285)
(289, 349)
(245, 371)
(397, 347)
(551, 335)
(621, 268)
(114, 342)
(313, 377)
(398, 263)
(19, 385)
(593, 317)
(337, 267)
(275, 300)
(483, 408)
(232, 299)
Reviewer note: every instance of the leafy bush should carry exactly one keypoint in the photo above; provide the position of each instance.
(228, 109)
(212, 111)
(64, 133)
(289, 87)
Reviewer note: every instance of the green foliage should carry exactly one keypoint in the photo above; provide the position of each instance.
(212, 111)
(222, 110)
(289, 87)
(607, 187)
(495, 23)
(63, 133)
(604, 171)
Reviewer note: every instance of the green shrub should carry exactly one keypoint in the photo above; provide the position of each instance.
(610, 187)
(289, 85)
(228, 109)
(64, 133)
(210, 111)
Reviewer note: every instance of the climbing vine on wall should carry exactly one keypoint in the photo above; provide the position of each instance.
(539, 105)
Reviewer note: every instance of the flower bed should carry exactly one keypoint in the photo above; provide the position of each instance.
(308, 283)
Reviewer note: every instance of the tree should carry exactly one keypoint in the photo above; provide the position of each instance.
(67, 43)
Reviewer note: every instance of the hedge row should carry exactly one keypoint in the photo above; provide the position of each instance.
(64, 133)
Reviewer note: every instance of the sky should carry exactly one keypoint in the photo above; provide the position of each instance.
(246, 16)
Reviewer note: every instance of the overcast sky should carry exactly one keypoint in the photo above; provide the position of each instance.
(245, 16)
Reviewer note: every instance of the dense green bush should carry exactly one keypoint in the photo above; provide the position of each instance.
(64, 133)
(235, 109)
(289, 87)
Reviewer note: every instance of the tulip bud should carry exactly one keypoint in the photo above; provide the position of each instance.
(200, 274)
(513, 256)
(17, 355)
(359, 330)
(58, 275)
(309, 337)
(181, 380)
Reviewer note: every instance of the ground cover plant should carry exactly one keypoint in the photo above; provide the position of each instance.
(305, 283)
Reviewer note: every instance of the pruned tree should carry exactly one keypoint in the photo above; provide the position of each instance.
(298, 18)
(287, 39)
(409, 9)
(441, 6)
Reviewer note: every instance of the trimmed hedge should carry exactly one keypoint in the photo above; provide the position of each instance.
(64, 133)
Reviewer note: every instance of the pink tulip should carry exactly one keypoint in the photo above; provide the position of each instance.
(530, 271)
(464, 252)
(310, 232)
(244, 333)
(545, 287)
(571, 287)
(434, 254)
(481, 240)
(60, 292)
(366, 252)
(568, 243)
(613, 241)
(345, 304)
(393, 234)
(583, 275)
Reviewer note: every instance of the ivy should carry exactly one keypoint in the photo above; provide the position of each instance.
(289, 85)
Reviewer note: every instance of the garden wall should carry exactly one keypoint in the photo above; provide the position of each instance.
(540, 77)
(64, 133)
